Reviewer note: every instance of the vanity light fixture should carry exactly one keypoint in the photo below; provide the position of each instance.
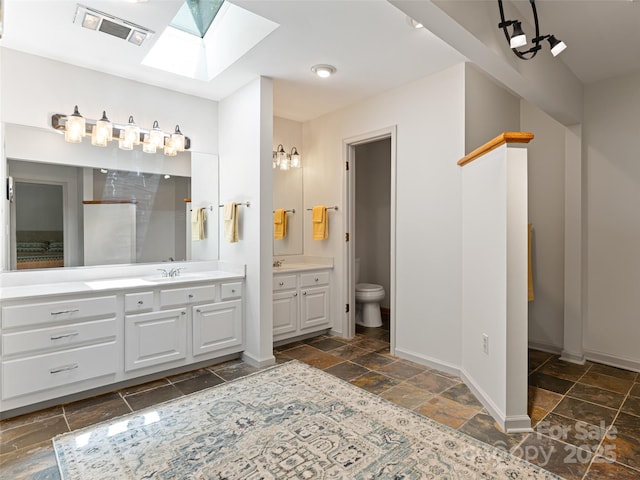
(323, 70)
(102, 131)
(518, 38)
(284, 160)
(75, 128)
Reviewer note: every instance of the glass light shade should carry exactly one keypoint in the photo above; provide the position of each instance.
(147, 145)
(156, 136)
(281, 156)
(74, 128)
(170, 149)
(285, 163)
(178, 139)
(132, 133)
(123, 143)
(295, 158)
(273, 160)
(102, 132)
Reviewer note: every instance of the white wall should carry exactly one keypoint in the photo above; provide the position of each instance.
(373, 214)
(546, 172)
(610, 134)
(245, 135)
(429, 115)
(489, 109)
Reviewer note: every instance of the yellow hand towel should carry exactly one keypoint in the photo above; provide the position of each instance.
(279, 224)
(530, 295)
(198, 217)
(230, 215)
(320, 222)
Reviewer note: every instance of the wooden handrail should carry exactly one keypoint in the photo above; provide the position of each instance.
(107, 202)
(506, 137)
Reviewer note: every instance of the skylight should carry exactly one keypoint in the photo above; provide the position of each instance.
(196, 16)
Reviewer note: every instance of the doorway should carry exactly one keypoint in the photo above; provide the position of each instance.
(370, 200)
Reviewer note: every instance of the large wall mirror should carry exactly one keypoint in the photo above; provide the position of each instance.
(79, 205)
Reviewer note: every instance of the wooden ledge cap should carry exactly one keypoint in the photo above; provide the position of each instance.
(506, 137)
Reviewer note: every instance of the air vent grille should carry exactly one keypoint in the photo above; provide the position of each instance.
(114, 29)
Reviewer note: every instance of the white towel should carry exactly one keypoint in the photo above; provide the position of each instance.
(230, 215)
(198, 217)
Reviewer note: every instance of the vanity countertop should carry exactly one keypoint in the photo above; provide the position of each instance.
(112, 284)
(300, 267)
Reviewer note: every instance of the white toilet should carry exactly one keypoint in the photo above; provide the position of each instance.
(368, 298)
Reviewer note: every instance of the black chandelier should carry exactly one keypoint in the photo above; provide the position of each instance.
(518, 38)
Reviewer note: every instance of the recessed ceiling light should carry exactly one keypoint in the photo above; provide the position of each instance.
(137, 37)
(323, 71)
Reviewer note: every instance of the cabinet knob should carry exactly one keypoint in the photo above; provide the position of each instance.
(316, 279)
(281, 284)
(295, 294)
(198, 310)
(304, 293)
(183, 313)
(190, 295)
(140, 302)
(233, 290)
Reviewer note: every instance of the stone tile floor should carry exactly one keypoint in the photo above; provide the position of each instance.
(586, 417)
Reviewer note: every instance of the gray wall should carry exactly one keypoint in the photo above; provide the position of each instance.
(38, 207)
(373, 213)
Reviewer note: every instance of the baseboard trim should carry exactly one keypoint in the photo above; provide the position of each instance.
(545, 347)
(508, 423)
(254, 362)
(576, 358)
(612, 360)
(427, 361)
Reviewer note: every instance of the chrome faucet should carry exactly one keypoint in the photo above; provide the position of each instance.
(278, 263)
(173, 272)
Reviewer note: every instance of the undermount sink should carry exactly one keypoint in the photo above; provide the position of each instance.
(182, 277)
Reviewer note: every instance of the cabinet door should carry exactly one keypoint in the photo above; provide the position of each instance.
(155, 338)
(285, 313)
(217, 326)
(314, 307)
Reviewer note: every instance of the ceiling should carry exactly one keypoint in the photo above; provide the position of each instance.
(369, 42)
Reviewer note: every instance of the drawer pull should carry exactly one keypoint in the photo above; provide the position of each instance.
(198, 310)
(190, 295)
(66, 368)
(281, 284)
(183, 313)
(316, 279)
(233, 290)
(65, 335)
(140, 302)
(74, 310)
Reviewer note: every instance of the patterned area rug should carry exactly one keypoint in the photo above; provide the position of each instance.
(291, 421)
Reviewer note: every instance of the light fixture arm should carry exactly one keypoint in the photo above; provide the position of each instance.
(527, 54)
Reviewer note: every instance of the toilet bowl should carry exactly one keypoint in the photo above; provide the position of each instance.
(368, 298)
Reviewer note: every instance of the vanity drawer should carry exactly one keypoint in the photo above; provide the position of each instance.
(230, 291)
(138, 302)
(49, 312)
(43, 372)
(54, 338)
(284, 282)
(182, 296)
(313, 279)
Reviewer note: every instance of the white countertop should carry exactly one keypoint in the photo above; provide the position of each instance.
(97, 284)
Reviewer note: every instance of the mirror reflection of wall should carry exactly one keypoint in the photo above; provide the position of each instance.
(288, 188)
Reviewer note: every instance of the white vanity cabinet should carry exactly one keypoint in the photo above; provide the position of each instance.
(300, 303)
(51, 347)
(68, 343)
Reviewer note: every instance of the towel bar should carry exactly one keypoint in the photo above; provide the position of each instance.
(328, 208)
(209, 207)
(246, 204)
(293, 210)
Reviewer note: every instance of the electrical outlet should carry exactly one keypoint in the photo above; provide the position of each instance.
(485, 343)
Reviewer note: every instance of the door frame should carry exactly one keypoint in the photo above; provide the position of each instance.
(349, 157)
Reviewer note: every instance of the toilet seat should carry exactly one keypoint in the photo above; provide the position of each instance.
(368, 287)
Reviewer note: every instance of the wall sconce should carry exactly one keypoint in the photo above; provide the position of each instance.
(102, 131)
(284, 160)
(519, 39)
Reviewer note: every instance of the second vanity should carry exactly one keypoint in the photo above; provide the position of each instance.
(64, 338)
(301, 297)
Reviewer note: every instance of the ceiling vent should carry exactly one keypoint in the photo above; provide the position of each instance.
(117, 27)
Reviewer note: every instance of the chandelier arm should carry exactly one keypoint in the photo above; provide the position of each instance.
(505, 23)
